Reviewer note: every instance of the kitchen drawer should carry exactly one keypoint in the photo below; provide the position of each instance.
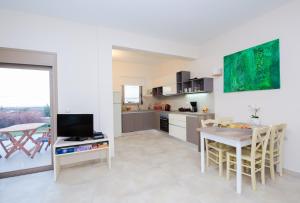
(177, 119)
(178, 132)
(178, 123)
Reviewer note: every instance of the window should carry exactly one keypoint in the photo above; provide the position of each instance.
(132, 94)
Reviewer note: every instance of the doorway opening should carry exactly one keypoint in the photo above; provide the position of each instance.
(136, 75)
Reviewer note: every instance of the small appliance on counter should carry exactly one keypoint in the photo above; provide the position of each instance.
(167, 107)
(194, 106)
(181, 109)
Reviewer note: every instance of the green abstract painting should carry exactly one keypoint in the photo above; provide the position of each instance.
(256, 68)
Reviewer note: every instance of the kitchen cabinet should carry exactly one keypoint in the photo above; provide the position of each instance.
(202, 85)
(127, 123)
(169, 90)
(181, 126)
(136, 121)
(157, 91)
(184, 84)
(156, 120)
(177, 126)
(192, 123)
(147, 120)
(182, 78)
(177, 132)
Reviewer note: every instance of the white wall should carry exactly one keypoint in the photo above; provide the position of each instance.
(84, 58)
(276, 105)
(202, 99)
(131, 73)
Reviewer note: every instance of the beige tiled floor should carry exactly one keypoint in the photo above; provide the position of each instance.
(148, 167)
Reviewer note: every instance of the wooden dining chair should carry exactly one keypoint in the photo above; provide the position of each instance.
(224, 121)
(274, 152)
(215, 152)
(253, 160)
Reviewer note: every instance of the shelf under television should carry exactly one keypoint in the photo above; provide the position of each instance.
(81, 152)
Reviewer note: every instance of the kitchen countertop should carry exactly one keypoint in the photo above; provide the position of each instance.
(192, 113)
(174, 112)
(141, 111)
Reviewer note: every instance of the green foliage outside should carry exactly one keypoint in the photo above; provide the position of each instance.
(47, 111)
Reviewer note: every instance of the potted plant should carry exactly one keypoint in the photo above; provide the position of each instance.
(254, 116)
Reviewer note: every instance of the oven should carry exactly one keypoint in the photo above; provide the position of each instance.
(164, 121)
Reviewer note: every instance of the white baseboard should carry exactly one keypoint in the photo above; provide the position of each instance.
(292, 173)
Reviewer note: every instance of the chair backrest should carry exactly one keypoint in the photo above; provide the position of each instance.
(260, 139)
(277, 136)
(224, 120)
(209, 123)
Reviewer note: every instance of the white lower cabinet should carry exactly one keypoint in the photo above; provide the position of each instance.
(177, 126)
(178, 132)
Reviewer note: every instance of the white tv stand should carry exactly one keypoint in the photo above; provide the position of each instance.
(61, 143)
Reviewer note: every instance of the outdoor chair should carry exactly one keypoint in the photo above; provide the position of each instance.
(45, 138)
(3, 139)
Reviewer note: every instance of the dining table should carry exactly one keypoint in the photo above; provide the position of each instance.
(235, 137)
(26, 131)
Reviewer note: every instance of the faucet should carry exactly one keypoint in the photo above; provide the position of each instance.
(138, 105)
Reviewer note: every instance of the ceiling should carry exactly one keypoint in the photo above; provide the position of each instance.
(142, 57)
(186, 21)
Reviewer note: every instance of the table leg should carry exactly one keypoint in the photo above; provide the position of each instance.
(239, 169)
(56, 166)
(4, 147)
(14, 147)
(22, 142)
(202, 154)
(37, 145)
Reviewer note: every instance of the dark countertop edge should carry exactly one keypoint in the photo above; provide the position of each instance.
(143, 111)
(170, 112)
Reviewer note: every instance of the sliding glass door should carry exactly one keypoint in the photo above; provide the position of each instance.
(25, 119)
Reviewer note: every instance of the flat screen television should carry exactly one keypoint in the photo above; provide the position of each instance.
(77, 127)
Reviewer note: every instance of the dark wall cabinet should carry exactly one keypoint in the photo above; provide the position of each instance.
(202, 85)
(157, 91)
(187, 85)
(183, 81)
(138, 121)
